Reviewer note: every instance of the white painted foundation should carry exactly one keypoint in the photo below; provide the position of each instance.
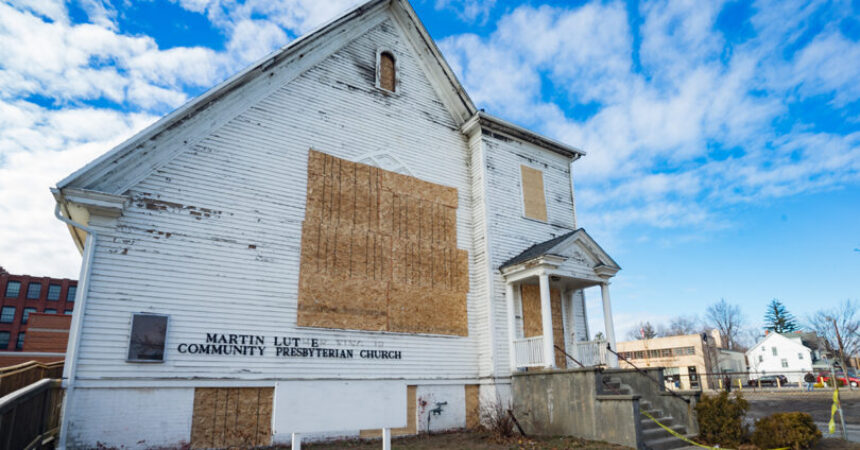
(131, 418)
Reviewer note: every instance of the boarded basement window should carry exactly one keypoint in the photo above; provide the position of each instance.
(387, 72)
(148, 332)
(534, 200)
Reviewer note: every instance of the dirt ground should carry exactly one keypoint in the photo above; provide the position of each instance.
(468, 441)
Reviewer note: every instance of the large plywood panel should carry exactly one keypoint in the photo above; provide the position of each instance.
(379, 252)
(231, 417)
(532, 322)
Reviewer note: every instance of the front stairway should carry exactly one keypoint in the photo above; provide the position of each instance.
(653, 436)
(604, 404)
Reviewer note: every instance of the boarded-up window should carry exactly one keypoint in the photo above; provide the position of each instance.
(387, 72)
(533, 322)
(534, 200)
(379, 252)
(148, 332)
(232, 417)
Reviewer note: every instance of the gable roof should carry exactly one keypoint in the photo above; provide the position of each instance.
(127, 164)
(553, 247)
(782, 337)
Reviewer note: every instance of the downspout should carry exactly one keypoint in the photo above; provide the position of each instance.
(70, 367)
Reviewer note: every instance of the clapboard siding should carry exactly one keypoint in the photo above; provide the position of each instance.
(212, 238)
(508, 232)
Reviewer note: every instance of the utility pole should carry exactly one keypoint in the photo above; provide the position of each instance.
(841, 354)
(838, 399)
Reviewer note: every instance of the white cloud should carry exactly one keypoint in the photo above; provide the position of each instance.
(468, 10)
(43, 53)
(688, 131)
(39, 147)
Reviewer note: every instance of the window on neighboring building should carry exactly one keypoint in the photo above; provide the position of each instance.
(26, 315)
(773, 349)
(148, 333)
(4, 340)
(68, 312)
(7, 315)
(784, 362)
(20, 344)
(70, 294)
(34, 291)
(760, 358)
(13, 289)
(800, 356)
(534, 198)
(54, 291)
(50, 311)
(387, 71)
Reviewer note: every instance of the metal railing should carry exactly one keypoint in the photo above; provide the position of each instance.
(529, 352)
(30, 416)
(591, 353)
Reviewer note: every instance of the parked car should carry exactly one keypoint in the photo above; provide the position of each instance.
(824, 377)
(769, 380)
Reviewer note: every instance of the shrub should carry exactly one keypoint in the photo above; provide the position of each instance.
(794, 429)
(496, 419)
(721, 419)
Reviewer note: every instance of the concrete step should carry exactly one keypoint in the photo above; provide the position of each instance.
(648, 424)
(657, 413)
(657, 433)
(666, 443)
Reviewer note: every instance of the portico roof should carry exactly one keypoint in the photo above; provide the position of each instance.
(560, 247)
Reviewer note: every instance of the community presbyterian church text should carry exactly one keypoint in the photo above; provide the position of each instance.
(255, 345)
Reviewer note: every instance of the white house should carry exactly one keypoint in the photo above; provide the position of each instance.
(780, 354)
(334, 240)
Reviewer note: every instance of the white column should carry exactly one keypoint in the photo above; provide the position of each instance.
(546, 321)
(386, 439)
(609, 324)
(512, 332)
(297, 441)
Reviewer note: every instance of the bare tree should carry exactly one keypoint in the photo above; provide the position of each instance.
(746, 338)
(847, 317)
(644, 330)
(727, 319)
(680, 326)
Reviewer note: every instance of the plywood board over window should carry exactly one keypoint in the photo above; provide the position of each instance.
(533, 323)
(534, 198)
(379, 252)
(232, 417)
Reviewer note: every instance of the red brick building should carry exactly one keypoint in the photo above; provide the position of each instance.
(21, 295)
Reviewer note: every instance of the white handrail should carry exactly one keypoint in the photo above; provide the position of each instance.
(529, 352)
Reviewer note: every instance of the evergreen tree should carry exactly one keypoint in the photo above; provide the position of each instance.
(778, 319)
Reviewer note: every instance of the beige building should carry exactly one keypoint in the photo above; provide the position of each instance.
(685, 359)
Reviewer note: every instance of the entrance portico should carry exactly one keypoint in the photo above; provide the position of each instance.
(546, 306)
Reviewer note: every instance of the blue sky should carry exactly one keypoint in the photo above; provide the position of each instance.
(723, 138)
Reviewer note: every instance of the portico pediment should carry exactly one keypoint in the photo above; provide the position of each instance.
(574, 253)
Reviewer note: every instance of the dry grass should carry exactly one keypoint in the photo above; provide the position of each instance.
(477, 440)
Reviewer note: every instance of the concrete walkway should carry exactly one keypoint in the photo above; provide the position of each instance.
(852, 431)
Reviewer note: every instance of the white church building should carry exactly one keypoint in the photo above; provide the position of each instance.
(333, 242)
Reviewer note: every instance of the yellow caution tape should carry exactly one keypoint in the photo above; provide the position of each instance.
(684, 438)
(831, 427)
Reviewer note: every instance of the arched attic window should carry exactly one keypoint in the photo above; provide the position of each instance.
(387, 75)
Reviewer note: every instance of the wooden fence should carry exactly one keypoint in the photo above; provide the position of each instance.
(18, 376)
(30, 416)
